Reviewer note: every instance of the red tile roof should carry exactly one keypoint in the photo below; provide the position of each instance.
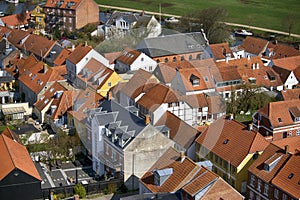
(183, 172)
(38, 45)
(95, 74)
(257, 167)
(49, 94)
(61, 58)
(291, 94)
(16, 36)
(64, 5)
(165, 73)
(221, 50)
(36, 77)
(63, 104)
(280, 51)
(236, 136)
(12, 20)
(128, 56)
(15, 156)
(292, 142)
(180, 132)
(79, 52)
(250, 68)
(158, 95)
(254, 45)
(111, 57)
(289, 64)
(280, 109)
(20, 65)
(282, 180)
(10, 134)
(139, 83)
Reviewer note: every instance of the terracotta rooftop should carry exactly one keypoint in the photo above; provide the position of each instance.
(49, 95)
(139, 83)
(15, 156)
(79, 52)
(20, 65)
(158, 95)
(16, 36)
(224, 135)
(279, 112)
(249, 68)
(61, 58)
(288, 177)
(38, 76)
(164, 73)
(128, 56)
(180, 132)
(254, 45)
(62, 104)
(221, 50)
(4, 30)
(95, 74)
(292, 142)
(183, 172)
(280, 51)
(12, 20)
(63, 4)
(85, 100)
(111, 57)
(38, 45)
(10, 134)
(257, 168)
(291, 94)
(289, 64)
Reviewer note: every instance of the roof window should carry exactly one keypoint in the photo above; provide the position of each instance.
(226, 141)
(291, 175)
(279, 119)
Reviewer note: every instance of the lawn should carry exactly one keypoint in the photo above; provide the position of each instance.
(271, 14)
(3, 127)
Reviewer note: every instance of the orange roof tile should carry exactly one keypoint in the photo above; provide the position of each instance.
(158, 95)
(280, 109)
(15, 156)
(282, 180)
(289, 64)
(257, 167)
(12, 20)
(4, 30)
(63, 4)
(10, 134)
(250, 68)
(36, 77)
(164, 73)
(79, 52)
(63, 104)
(16, 35)
(180, 132)
(221, 50)
(38, 45)
(291, 94)
(236, 136)
(280, 51)
(139, 83)
(49, 94)
(61, 58)
(111, 57)
(196, 100)
(183, 172)
(254, 45)
(128, 56)
(292, 142)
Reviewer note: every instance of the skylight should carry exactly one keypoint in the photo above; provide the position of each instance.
(279, 119)
(291, 175)
(226, 141)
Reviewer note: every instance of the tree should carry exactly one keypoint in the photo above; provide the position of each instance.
(11, 8)
(80, 190)
(210, 20)
(289, 22)
(21, 17)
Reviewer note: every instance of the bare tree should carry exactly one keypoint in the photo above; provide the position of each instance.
(22, 16)
(289, 22)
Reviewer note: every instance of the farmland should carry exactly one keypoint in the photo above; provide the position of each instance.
(272, 14)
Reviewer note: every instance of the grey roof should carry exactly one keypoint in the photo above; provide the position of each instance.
(181, 43)
(120, 121)
(127, 16)
(53, 53)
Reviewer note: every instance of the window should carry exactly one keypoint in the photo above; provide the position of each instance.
(251, 196)
(276, 193)
(211, 155)
(190, 57)
(298, 132)
(284, 197)
(142, 59)
(258, 197)
(284, 135)
(198, 57)
(182, 58)
(158, 61)
(150, 68)
(259, 185)
(109, 84)
(70, 20)
(174, 59)
(166, 60)
(252, 180)
(266, 189)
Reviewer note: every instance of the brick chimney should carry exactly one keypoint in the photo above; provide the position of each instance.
(147, 119)
(286, 149)
(182, 156)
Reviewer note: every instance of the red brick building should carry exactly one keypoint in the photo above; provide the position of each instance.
(70, 15)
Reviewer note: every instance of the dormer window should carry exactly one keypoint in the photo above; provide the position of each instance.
(295, 113)
(195, 80)
(252, 80)
(160, 176)
(270, 163)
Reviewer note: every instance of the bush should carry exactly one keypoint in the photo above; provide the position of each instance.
(111, 188)
(80, 190)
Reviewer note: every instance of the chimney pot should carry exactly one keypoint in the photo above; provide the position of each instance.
(182, 156)
(147, 119)
(286, 149)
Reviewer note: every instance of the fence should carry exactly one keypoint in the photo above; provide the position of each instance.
(91, 188)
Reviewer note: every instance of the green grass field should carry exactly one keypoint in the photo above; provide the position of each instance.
(272, 14)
